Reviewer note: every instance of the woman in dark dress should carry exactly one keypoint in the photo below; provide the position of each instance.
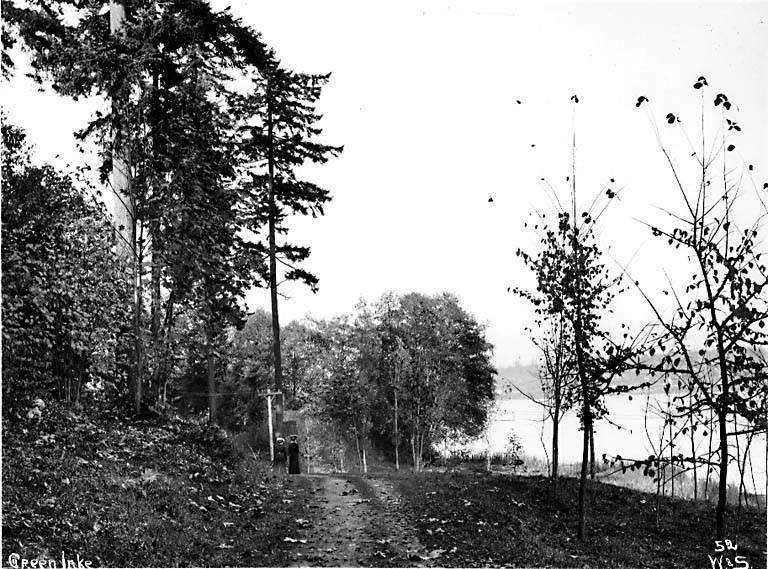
(293, 456)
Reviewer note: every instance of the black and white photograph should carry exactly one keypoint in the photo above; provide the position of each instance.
(419, 283)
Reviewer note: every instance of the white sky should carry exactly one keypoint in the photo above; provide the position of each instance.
(423, 95)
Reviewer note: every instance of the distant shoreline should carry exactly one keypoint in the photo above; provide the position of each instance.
(538, 395)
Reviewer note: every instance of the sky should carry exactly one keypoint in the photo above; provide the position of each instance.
(423, 96)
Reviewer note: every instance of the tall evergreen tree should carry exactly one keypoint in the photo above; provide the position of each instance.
(144, 63)
(281, 140)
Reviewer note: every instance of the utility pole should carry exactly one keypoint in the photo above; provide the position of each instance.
(271, 433)
(269, 395)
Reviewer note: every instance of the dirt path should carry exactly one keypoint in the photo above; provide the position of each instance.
(352, 521)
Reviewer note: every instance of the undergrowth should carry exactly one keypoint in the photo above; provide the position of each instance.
(122, 492)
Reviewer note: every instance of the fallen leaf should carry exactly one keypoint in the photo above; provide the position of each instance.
(434, 554)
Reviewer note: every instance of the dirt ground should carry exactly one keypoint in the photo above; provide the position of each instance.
(352, 521)
(467, 519)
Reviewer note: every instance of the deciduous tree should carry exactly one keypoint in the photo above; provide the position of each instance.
(63, 297)
(716, 327)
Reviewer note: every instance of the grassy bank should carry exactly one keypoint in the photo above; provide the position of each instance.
(120, 492)
(478, 519)
(684, 487)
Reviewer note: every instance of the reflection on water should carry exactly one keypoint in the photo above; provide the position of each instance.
(628, 436)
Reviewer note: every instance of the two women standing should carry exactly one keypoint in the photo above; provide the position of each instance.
(291, 453)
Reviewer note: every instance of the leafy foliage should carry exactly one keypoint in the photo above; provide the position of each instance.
(711, 345)
(425, 351)
(166, 72)
(574, 291)
(63, 293)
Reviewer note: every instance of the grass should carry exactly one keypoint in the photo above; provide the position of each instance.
(634, 479)
(479, 519)
(121, 492)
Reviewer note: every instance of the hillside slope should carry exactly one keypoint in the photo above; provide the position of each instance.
(120, 492)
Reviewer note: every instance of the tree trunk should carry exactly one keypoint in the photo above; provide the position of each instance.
(211, 360)
(80, 386)
(580, 363)
(357, 445)
(544, 445)
(591, 450)
(555, 452)
(741, 465)
(555, 433)
(155, 319)
(270, 429)
(658, 492)
(747, 455)
(722, 415)
(583, 477)
(738, 464)
(711, 429)
(722, 488)
(138, 340)
(397, 438)
(671, 455)
(693, 452)
(273, 278)
(121, 185)
(156, 305)
(125, 223)
(165, 348)
(587, 420)
(724, 396)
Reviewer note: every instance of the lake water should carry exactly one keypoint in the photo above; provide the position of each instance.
(627, 437)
